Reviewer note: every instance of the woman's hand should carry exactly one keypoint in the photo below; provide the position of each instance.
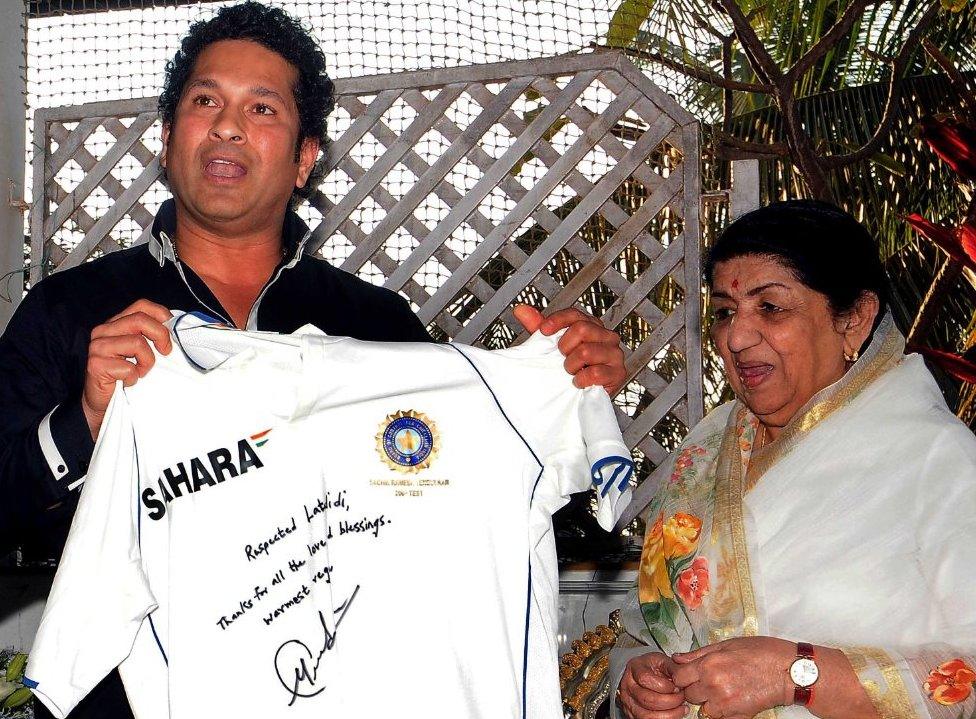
(646, 690)
(737, 678)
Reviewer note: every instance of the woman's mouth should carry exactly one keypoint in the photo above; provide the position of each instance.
(753, 374)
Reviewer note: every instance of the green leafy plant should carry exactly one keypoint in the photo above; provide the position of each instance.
(828, 95)
(15, 698)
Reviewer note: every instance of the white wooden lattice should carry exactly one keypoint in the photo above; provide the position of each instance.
(569, 181)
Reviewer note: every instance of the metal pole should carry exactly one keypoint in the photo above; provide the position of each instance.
(745, 187)
(13, 148)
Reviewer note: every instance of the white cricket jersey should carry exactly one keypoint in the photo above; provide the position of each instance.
(318, 526)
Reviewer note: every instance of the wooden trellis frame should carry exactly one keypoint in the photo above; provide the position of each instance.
(649, 146)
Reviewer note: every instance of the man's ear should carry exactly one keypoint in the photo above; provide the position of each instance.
(856, 324)
(307, 156)
(162, 155)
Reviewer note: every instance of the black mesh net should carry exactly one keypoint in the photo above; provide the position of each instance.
(86, 52)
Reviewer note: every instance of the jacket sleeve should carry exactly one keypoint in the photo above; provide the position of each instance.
(45, 443)
(405, 324)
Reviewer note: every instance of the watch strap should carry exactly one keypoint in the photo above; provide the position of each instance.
(803, 695)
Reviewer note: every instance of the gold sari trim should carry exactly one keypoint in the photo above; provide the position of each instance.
(728, 517)
(893, 702)
(880, 357)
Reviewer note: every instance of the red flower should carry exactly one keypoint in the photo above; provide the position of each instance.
(951, 682)
(958, 242)
(967, 238)
(693, 584)
(954, 142)
(956, 365)
(685, 460)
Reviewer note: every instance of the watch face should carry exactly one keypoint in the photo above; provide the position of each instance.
(804, 672)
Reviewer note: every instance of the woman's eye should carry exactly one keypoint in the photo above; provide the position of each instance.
(722, 313)
(203, 101)
(263, 109)
(769, 308)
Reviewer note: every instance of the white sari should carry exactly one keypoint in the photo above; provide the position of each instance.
(856, 529)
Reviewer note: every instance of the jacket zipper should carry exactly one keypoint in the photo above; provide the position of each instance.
(252, 314)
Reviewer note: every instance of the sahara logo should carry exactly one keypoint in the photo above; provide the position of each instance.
(199, 473)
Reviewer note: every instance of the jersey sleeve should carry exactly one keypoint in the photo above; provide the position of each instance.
(100, 594)
(611, 466)
(573, 432)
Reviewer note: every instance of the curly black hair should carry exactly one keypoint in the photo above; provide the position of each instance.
(277, 31)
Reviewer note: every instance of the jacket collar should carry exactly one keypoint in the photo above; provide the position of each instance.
(295, 235)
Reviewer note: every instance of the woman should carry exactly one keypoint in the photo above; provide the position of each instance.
(833, 504)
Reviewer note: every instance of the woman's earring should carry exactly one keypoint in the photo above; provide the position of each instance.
(852, 357)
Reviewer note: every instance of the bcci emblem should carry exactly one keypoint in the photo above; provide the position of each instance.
(407, 441)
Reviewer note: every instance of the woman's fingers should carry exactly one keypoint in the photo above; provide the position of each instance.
(685, 657)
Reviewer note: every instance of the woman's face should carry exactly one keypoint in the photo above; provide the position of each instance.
(778, 339)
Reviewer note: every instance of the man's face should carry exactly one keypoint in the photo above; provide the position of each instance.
(230, 151)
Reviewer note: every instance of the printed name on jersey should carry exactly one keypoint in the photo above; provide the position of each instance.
(407, 441)
(202, 472)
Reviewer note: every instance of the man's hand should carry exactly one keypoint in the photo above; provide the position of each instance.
(593, 354)
(737, 678)
(646, 690)
(123, 337)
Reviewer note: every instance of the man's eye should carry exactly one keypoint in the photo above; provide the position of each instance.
(263, 109)
(204, 101)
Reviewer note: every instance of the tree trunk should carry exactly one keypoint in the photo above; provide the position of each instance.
(805, 157)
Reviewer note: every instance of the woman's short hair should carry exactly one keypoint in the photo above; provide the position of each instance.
(824, 246)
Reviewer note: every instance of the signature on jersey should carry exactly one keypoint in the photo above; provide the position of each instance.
(298, 667)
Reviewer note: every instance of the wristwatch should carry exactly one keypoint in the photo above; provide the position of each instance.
(804, 673)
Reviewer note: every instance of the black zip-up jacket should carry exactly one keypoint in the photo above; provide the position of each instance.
(44, 351)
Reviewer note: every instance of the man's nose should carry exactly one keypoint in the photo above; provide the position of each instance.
(227, 126)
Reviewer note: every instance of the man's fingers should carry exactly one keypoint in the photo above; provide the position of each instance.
(136, 324)
(585, 330)
(592, 354)
(146, 307)
(594, 363)
(599, 376)
(529, 317)
(134, 346)
(561, 319)
(110, 370)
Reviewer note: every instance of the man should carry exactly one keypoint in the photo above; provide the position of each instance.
(243, 109)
